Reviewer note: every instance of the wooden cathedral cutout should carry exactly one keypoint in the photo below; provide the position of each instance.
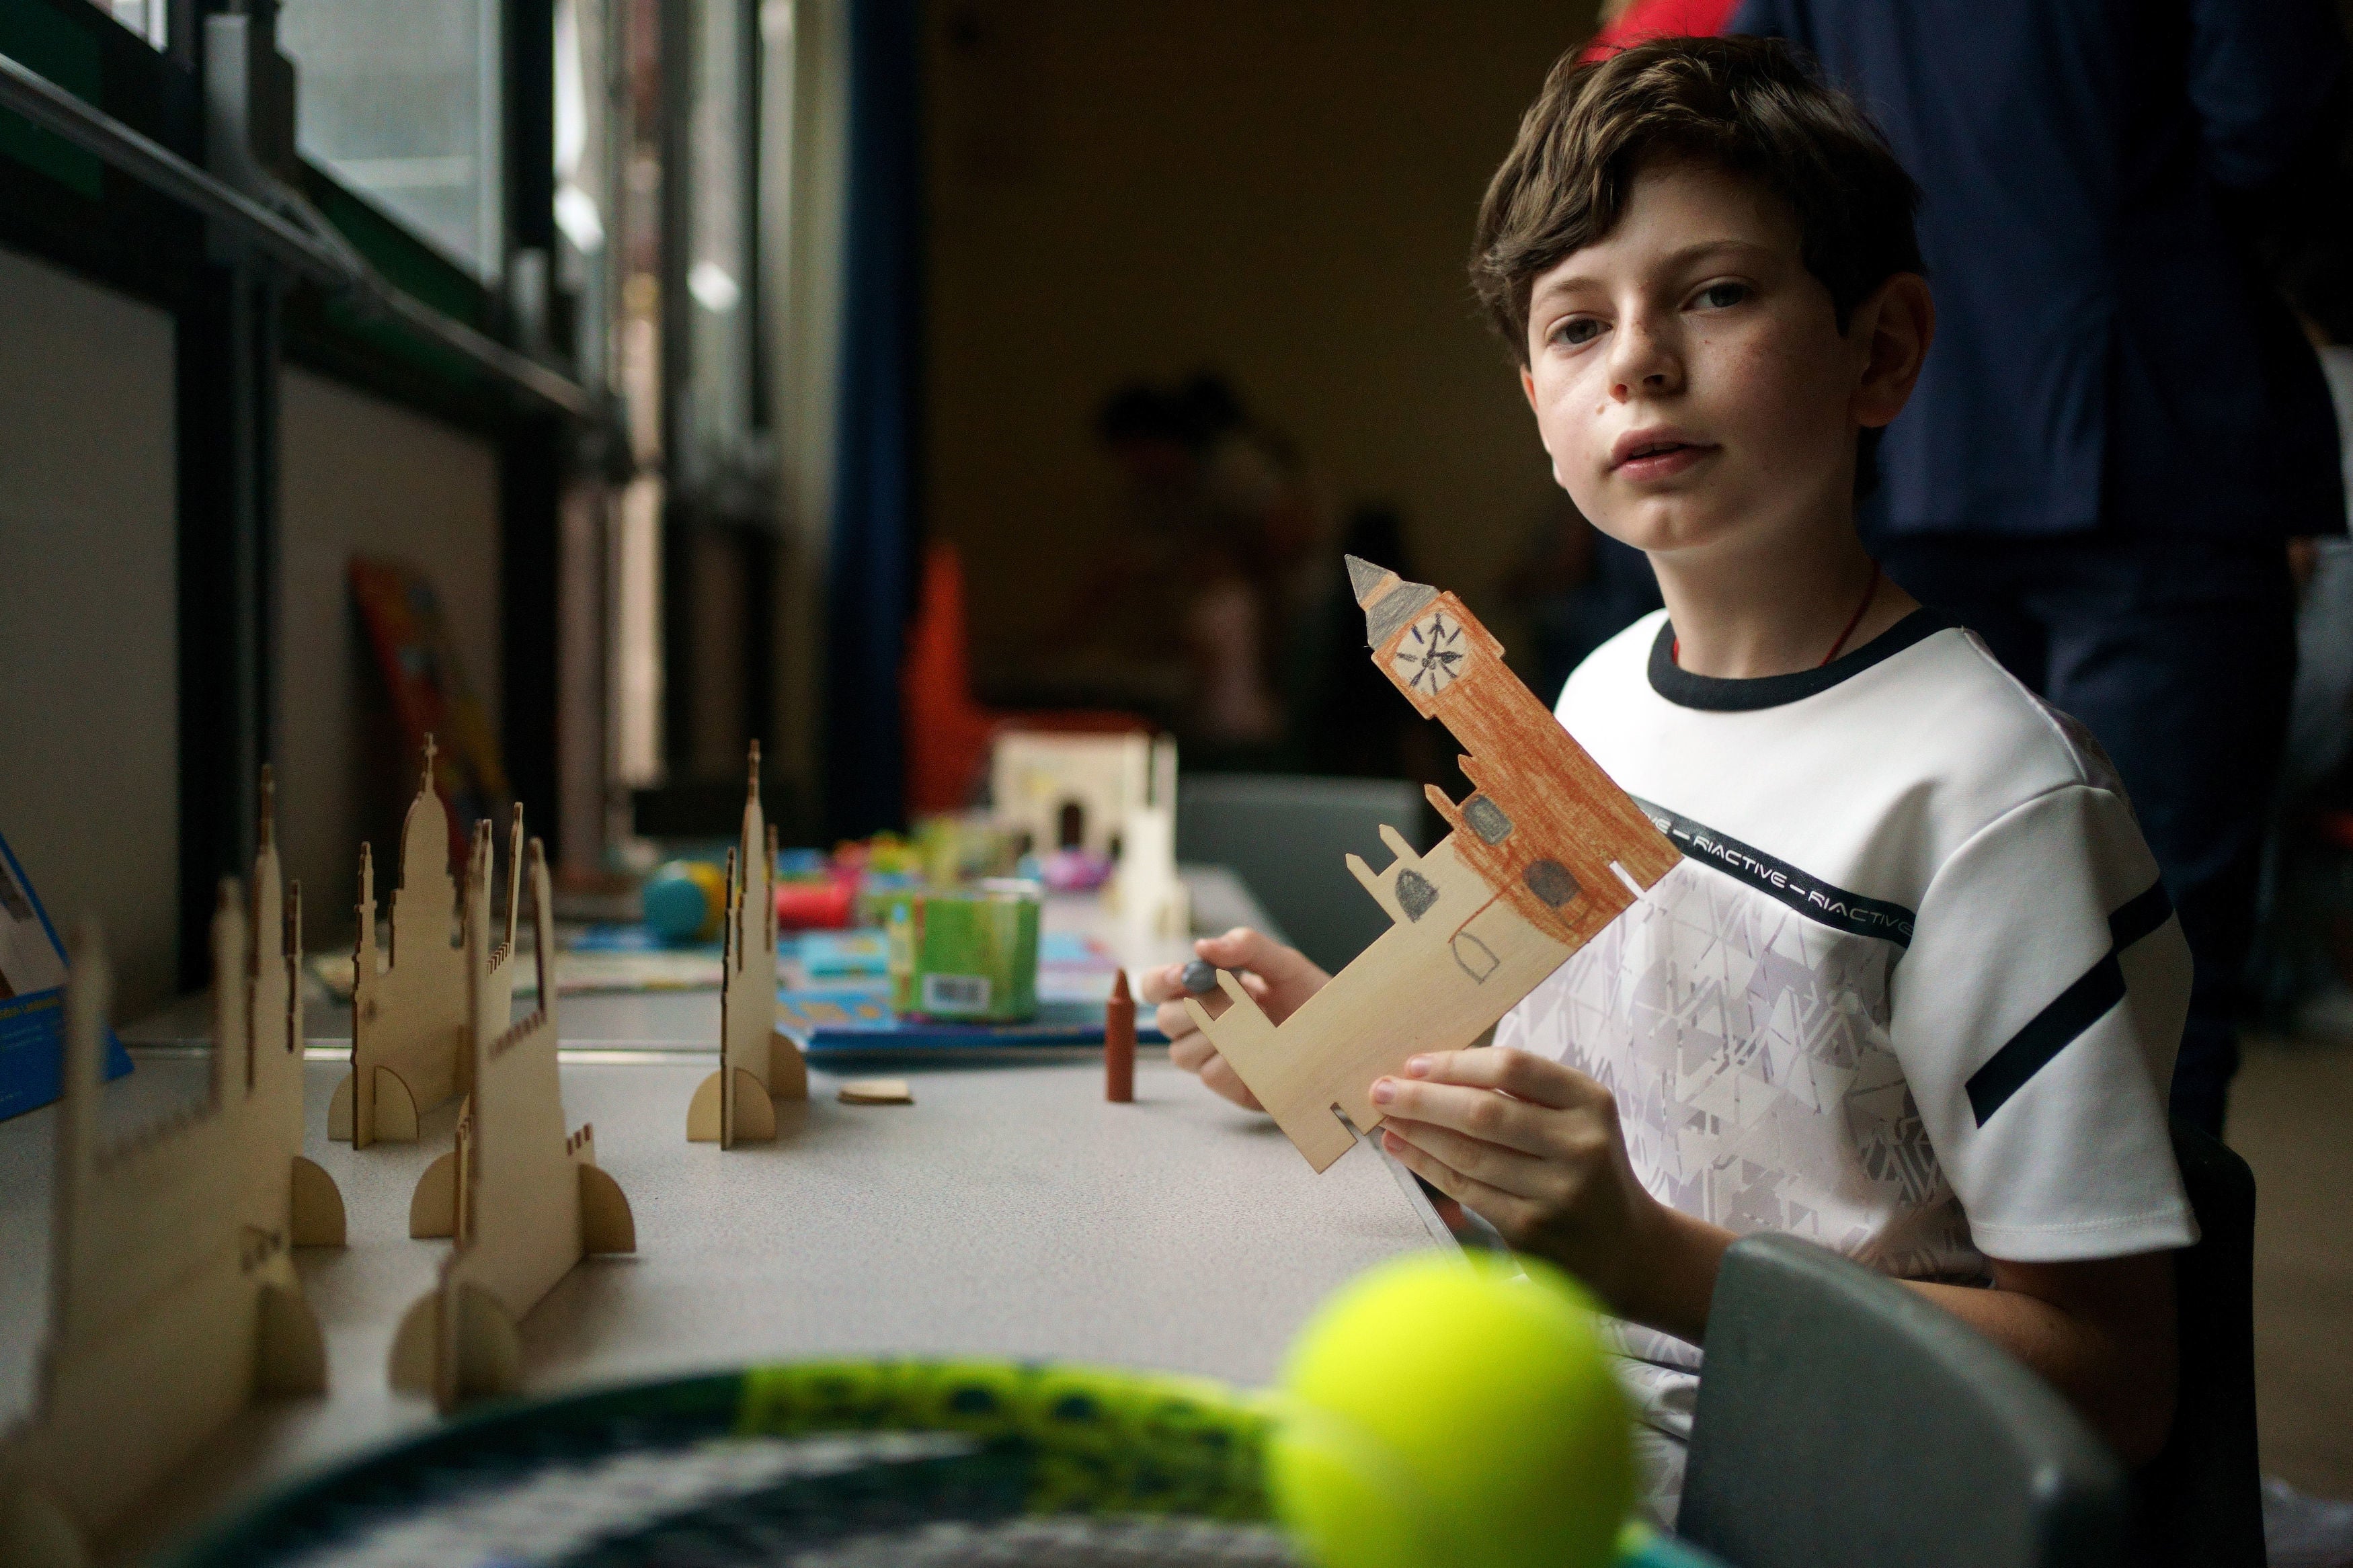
(523, 1200)
(408, 1016)
(757, 1064)
(1545, 853)
(174, 1302)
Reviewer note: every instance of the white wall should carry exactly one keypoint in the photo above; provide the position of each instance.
(362, 476)
(90, 774)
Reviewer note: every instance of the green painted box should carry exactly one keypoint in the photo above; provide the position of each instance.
(965, 955)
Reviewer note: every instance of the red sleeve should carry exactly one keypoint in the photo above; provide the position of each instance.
(1647, 20)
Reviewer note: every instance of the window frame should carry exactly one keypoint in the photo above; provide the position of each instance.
(72, 210)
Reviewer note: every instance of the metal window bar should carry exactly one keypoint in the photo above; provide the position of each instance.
(306, 255)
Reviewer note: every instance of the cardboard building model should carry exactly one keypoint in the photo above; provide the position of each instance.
(758, 1065)
(1545, 853)
(523, 1200)
(172, 1300)
(408, 1013)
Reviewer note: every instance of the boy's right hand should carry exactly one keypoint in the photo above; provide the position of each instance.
(1279, 979)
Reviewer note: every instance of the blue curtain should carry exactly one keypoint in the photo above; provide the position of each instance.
(876, 497)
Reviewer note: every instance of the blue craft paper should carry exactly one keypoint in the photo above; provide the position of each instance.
(864, 1025)
(32, 1026)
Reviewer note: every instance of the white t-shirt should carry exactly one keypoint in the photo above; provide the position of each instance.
(1915, 989)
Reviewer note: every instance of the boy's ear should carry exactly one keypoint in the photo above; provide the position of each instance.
(1528, 386)
(1892, 327)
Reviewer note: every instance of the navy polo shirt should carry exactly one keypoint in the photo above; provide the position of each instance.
(2106, 355)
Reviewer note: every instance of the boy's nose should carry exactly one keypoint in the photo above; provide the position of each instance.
(1642, 362)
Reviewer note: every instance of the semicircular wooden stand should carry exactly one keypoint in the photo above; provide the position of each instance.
(522, 1200)
(173, 1302)
(757, 1064)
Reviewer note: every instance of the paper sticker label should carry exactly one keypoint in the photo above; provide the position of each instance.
(955, 992)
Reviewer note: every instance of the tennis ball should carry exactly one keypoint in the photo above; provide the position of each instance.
(1438, 1411)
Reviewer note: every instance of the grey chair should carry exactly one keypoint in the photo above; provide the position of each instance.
(1288, 837)
(2199, 1501)
(1842, 1419)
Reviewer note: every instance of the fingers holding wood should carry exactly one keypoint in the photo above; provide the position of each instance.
(1219, 1075)
(1540, 1081)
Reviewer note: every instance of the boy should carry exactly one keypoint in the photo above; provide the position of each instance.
(1945, 1066)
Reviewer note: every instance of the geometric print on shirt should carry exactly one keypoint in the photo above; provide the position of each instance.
(1747, 1047)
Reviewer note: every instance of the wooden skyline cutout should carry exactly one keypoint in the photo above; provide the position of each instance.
(408, 1016)
(757, 1064)
(174, 1302)
(1543, 854)
(522, 1200)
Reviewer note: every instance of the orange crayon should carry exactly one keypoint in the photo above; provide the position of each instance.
(1119, 1043)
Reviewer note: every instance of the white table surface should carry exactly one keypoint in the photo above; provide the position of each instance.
(1009, 1211)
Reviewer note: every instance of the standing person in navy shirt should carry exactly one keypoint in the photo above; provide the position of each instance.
(2118, 425)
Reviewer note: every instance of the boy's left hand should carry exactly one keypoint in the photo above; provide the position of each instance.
(1534, 1148)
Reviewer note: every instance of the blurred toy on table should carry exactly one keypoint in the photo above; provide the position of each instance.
(813, 893)
(965, 954)
(958, 847)
(1074, 870)
(1099, 806)
(685, 900)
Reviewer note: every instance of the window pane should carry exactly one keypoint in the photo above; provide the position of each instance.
(400, 100)
(144, 18)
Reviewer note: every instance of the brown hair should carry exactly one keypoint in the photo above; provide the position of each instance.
(1748, 106)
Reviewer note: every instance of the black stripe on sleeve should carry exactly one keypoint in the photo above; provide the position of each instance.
(2051, 1031)
(2074, 1010)
(2139, 915)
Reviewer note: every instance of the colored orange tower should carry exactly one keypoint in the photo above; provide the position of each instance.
(1543, 854)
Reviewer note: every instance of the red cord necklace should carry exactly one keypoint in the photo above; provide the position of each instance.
(1870, 592)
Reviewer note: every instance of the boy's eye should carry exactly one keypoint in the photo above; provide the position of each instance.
(1577, 331)
(1720, 296)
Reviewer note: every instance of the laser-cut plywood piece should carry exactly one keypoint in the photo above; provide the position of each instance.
(524, 1200)
(758, 1065)
(1545, 854)
(1145, 894)
(489, 1009)
(172, 1300)
(408, 1016)
(287, 1193)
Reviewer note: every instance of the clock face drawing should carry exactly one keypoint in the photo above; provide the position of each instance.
(1431, 653)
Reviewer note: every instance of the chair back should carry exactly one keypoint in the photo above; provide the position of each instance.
(1289, 836)
(2199, 1501)
(1842, 1418)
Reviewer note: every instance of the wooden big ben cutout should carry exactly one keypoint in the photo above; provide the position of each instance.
(1543, 854)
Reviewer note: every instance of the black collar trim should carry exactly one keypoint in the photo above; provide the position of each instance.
(1717, 695)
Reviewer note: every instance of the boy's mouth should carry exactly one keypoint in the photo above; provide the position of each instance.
(1656, 453)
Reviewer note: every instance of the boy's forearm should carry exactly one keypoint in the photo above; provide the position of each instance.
(2108, 1350)
(2118, 1373)
(1668, 1278)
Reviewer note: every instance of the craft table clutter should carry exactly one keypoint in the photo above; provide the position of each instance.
(975, 1206)
(1008, 1210)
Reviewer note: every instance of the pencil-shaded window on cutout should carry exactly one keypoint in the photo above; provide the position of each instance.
(1415, 893)
(1550, 880)
(1486, 820)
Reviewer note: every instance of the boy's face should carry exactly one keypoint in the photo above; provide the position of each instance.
(1688, 375)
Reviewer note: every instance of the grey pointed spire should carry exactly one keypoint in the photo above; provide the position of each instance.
(1388, 600)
